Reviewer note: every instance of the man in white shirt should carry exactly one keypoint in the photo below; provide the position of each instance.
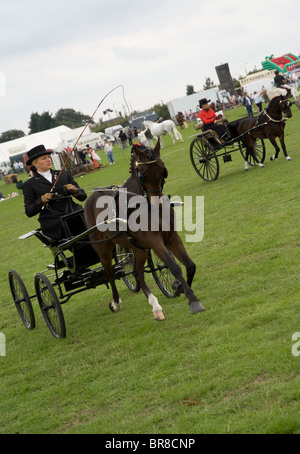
(258, 100)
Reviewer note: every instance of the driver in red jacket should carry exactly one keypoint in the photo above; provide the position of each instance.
(208, 117)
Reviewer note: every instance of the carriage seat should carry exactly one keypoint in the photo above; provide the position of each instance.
(211, 135)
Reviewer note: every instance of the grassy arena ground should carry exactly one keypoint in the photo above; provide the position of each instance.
(227, 370)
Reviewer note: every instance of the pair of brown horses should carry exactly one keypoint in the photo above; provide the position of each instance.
(148, 174)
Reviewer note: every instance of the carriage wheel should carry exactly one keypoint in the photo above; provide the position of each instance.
(21, 299)
(163, 276)
(259, 149)
(125, 258)
(204, 159)
(50, 305)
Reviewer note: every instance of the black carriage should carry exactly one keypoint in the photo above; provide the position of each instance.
(206, 149)
(76, 268)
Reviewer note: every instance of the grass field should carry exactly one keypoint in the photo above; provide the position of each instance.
(227, 370)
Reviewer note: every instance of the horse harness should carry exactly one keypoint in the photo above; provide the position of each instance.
(265, 112)
(141, 175)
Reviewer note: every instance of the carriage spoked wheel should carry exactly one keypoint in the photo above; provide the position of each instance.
(204, 159)
(50, 305)
(21, 299)
(259, 152)
(125, 259)
(163, 276)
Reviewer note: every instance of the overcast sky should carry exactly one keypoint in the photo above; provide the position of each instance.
(69, 53)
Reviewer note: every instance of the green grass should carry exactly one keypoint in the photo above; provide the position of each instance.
(227, 370)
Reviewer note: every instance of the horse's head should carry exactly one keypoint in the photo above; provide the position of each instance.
(285, 106)
(279, 104)
(149, 169)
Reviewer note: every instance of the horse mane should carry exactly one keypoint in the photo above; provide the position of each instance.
(274, 101)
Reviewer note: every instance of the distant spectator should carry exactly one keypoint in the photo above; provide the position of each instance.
(247, 104)
(123, 138)
(108, 149)
(82, 156)
(258, 100)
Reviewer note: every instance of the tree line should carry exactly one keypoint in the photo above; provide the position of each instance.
(73, 119)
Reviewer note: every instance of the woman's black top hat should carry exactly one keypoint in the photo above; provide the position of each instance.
(35, 152)
(203, 101)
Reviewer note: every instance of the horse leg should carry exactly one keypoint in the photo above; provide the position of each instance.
(246, 158)
(277, 149)
(250, 151)
(161, 142)
(140, 257)
(175, 245)
(177, 135)
(162, 252)
(287, 157)
(105, 255)
(172, 137)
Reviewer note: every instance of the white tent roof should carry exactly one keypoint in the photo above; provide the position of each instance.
(50, 138)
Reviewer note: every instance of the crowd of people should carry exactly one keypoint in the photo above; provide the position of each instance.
(251, 101)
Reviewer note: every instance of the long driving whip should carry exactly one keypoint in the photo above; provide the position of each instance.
(66, 161)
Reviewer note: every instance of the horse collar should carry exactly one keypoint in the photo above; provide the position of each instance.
(272, 119)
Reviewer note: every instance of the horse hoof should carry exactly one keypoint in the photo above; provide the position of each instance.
(288, 158)
(159, 316)
(272, 158)
(115, 307)
(196, 307)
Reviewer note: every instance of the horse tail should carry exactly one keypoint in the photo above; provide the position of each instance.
(177, 134)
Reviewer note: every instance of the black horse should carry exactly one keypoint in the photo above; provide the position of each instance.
(148, 174)
(268, 125)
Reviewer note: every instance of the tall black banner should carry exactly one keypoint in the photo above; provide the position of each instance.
(225, 78)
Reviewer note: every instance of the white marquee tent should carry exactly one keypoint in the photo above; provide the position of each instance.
(51, 138)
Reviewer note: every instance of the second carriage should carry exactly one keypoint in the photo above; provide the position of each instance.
(206, 149)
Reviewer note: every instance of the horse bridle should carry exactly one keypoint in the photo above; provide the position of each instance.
(141, 175)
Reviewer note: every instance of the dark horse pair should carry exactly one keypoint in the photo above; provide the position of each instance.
(268, 125)
(148, 174)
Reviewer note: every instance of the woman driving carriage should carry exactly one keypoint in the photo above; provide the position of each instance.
(209, 117)
(38, 195)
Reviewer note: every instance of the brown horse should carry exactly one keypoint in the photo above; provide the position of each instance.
(148, 174)
(268, 125)
(180, 119)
